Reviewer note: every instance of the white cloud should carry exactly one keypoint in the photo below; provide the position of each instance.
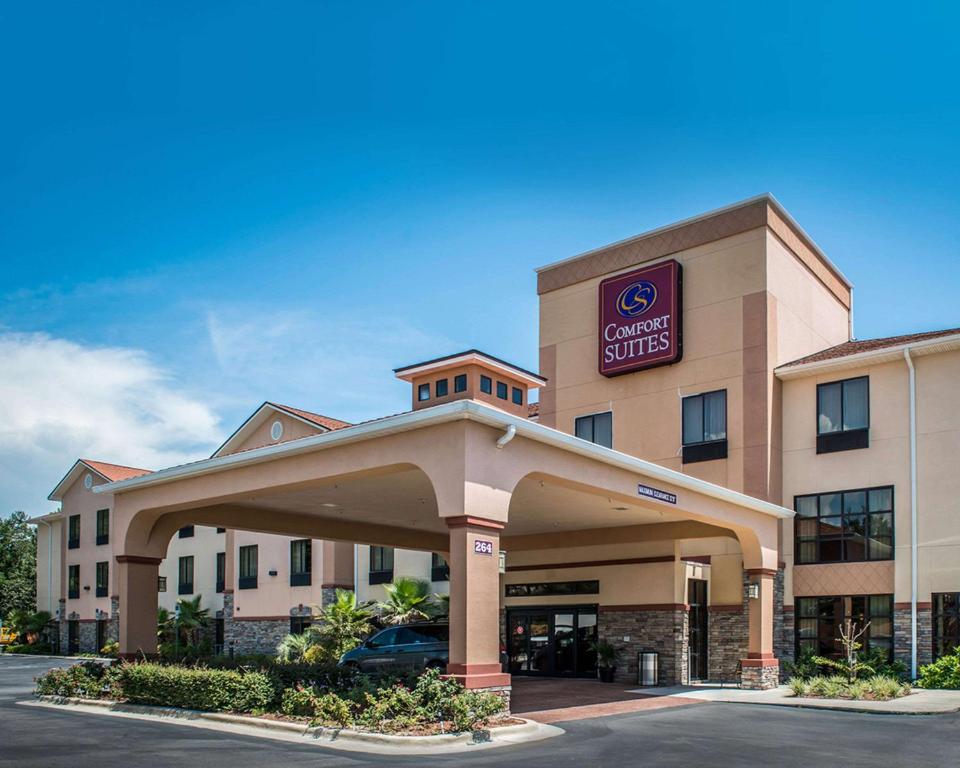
(60, 401)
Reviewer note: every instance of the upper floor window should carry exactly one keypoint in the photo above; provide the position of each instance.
(946, 623)
(704, 430)
(423, 392)
(597, 428)
(221, 530)
(381, 565)
(186, 532)
(103, 526)
(460, 383)
(221, 571)
(73, 533)
(517, 394)
(439, 570)
(185, 575)
(441, 388)
(248, 567)
(73, 582)
(843, 415)
(486, 385)
(502, 390)
(103, 579)
(300, 562)
(161, 583)
(844, 526)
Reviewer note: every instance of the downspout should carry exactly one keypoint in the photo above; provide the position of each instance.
(913, 513)
(507, 436)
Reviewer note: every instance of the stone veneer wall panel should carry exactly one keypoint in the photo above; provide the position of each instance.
(901, 633)
(257, 635)
(659, 628)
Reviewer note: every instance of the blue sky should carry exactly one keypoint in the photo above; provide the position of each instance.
(206, 205)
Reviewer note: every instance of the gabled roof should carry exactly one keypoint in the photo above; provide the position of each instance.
(320, 422)
(856, 349)
(112, 473)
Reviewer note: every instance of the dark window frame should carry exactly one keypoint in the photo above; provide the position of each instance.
(460, 383)
(945, 623)
(187, 532)
(842, 439)
(246, 554)
(103, 526)
(220, 572)
(73, 532)
(161, 583)
(221, 530)
(441, 388)
(300, 624)
(378, 571)
(73, 582)
(818, 538)
(817, 617)
(703, 449)
(439, 568)
(103, 586)
(592, 417)
(553, 588)
(486, 385)
(185, 566)
(503, 391)
(516, 395)
(301, 577)
(423, 392)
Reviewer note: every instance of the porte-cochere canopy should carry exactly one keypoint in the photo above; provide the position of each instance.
(440, 479)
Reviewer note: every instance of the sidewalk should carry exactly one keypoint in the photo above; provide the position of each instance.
(920, 702)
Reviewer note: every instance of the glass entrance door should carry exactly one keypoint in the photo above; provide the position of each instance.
(552, 641)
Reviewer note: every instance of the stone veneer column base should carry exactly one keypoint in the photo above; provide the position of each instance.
(901, 633)
(659, 628)
(760, 674)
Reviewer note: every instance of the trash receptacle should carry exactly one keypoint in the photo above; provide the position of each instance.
(647, 664)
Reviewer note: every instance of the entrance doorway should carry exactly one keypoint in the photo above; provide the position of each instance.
(101, 635)
(697, 629)
(552, 641)
(73, 637)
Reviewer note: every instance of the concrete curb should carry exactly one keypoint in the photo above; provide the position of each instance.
(337, 738)
(843, 705)
(77, 659)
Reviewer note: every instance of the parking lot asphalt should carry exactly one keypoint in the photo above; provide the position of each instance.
(728, 735)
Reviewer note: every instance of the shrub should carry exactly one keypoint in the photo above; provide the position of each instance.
(214, 690)
(298, 702)
(804, 667)
(877, 687)
(943, 673)
(111, 649)
(88, 680)
(35, 649)
(797, 686)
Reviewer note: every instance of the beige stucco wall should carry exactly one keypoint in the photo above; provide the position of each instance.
(203, 546)
(83, 501)
(49, 558)
(293, 429)
(406, 562)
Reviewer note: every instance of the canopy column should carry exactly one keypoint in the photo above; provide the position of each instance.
(761, 668)
(137, 578)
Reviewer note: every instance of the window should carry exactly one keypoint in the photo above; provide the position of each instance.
(300, 624)
(517, 394)
(103, 526)
(161, 583)
(385, 638)
(221, 578)
(381, 565)
(439, 570)
(843, 415)
(704, 419)
(501, 390)
(441, 388)
(185, 576)
(820, 619)
(844, 526)
(73, 582)
(596, 428)
(103, 579)
(549, 589)
(186, 532)
(73, 536)
(460, 383)
(946, 623)
(423, 392)
(300, 560)
(423, 634)
(486, 385)
(221, 530)
(248, 567)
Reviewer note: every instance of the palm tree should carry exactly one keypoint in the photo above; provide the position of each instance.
(344, 623)
(192, 619)
(441, 605)
(408, 599)
(293, 647)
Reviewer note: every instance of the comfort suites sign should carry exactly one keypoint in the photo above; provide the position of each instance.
(640, 320)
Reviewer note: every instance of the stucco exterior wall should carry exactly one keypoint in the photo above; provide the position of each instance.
(49, 559)
(203, 546)
(83, 501)
(293, 429)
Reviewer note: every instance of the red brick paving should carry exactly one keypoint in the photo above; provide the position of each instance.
(552, 700)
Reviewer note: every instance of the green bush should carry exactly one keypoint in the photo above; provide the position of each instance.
(943, 673)
(322, 708)
(299, 702)
(876, 688)
(88, 680)
(213, 690)
(40, 649)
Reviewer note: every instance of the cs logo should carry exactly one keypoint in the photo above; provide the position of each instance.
(636, 298)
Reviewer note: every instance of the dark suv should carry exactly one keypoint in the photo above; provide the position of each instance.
(402, 649)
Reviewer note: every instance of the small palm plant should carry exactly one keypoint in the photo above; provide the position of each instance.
(293, 647)
(441, 606)
(344, 623)
(192, 619)
(408, 600)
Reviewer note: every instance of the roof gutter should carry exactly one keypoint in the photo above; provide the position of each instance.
(914, 549)
(455, 411)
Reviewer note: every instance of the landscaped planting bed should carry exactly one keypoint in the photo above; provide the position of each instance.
(875, 688)
(429, 704)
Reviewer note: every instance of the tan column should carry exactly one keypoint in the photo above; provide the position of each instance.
(761, 669)
(137, 582)
(475, 603)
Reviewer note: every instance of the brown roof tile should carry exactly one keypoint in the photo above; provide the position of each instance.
(868, 345)
(316, 418)
(115, 472)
